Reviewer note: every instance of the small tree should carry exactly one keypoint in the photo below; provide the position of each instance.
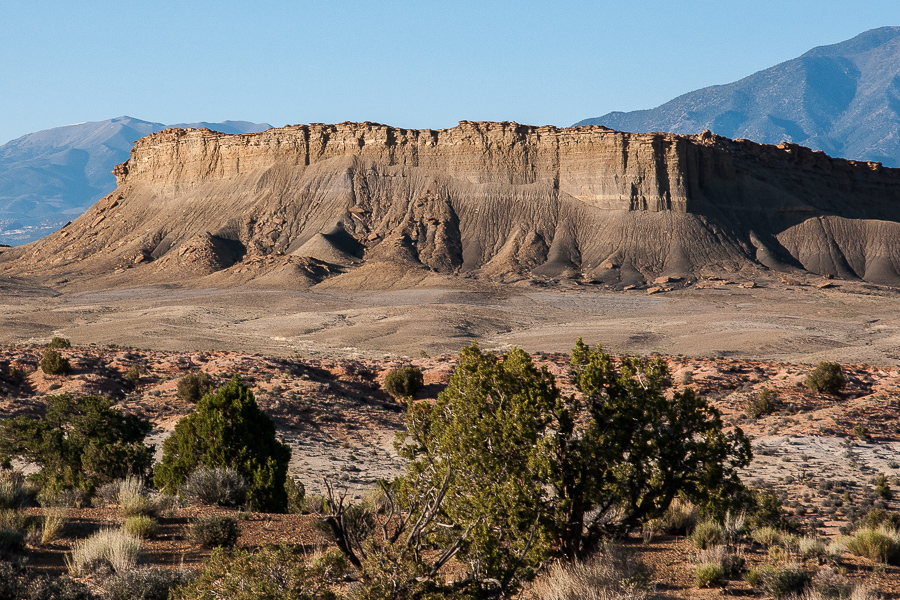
(483, 441)
(404, 382)
(503, 468)
(194, 386)
(54, 363)
(638, 448)
(826, 378)
(229, 430)
(79, 442)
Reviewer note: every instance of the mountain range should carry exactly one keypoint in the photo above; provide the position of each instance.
(843, 99)
(52, 176)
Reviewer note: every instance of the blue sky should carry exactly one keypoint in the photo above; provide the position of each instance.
(416, 64)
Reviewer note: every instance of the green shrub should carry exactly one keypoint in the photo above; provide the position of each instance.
(756, 575)
(878, 517)
(222, 487)
(404, 382)
(708, 574)
(268, 574)
(706, 534)
(228, 430)
(782, 582)
(58, 343)
(764, 403)
(133, 376)
(214, 531)
(881, 545)
(296, 495)
(883, 487)
(826, 378)
(141, 526)
(860, 431)
(108, 548)
(12, 541)
(145, 584)
(766, 536)
(54, 363)
(766, 510)
(193, 386)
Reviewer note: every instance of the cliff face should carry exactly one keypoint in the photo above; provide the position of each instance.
(500, 200)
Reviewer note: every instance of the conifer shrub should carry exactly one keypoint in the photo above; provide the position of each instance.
(54, 363)
(133, 376)
(826, 378)
(59, 343)
(764, 403)
(883, 487)
(193, 386)
(296, 495)
(404, 382)
(79, 443)
(228, 430)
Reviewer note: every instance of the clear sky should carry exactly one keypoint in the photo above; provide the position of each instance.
(418, 64)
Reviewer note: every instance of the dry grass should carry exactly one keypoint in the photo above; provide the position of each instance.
(14, 491)
(52, 523)
(113, 548)
(133, 498)
(680, 518)
(610, 575)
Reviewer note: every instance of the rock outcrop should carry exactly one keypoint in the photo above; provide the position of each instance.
(294, 206)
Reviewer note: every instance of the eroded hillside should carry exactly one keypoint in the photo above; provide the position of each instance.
(369, 206)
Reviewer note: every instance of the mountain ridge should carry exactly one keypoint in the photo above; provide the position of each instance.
(54, 175)
(841, 98)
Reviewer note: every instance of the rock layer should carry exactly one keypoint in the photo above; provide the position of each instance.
(497, 200)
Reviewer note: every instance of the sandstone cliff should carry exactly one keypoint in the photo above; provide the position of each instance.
(298, 205)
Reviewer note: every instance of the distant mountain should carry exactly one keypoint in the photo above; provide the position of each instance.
(52, 176)
(843, 99)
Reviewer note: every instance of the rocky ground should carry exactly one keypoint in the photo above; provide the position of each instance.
(818, 452)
